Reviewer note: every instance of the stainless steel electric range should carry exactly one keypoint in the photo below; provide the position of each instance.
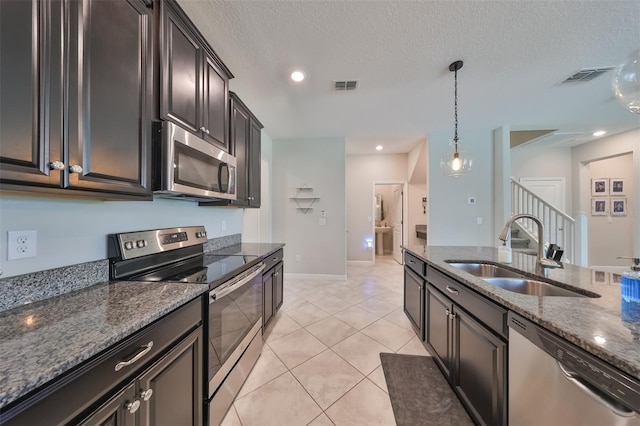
(233, 314)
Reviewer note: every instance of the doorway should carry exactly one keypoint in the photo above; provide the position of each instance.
(388, 226)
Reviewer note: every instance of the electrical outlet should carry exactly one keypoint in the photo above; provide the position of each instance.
(21, 244)
(223, 225)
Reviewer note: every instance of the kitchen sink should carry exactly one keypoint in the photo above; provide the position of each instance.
(486, 270)
(513, 281)
(531, 287)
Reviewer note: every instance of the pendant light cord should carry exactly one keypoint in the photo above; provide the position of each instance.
(455, 109)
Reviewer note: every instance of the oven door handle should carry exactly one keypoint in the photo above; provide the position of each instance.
(225, 289)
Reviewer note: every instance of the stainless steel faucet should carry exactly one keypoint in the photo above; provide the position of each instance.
(542, 263)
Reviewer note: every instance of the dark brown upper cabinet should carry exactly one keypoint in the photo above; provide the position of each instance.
(84, 124)
(245, 146)
(193, 80)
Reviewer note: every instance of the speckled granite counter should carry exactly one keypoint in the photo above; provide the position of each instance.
(42, 340)
(249, 249)
(579, 320)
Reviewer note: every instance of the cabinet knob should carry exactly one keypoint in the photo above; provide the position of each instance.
(132, 407)
(75, 168)
(146, 394)
(207, 131)
(203, 129)
(56, 165)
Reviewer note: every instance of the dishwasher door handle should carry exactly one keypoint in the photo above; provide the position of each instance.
(615, 407)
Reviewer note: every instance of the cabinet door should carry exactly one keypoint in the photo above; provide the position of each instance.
(267, 301)
(215, 105)
(439, 328)
(121, 410)
(171, 390)
(181, 69)
(278, 287)
(480, 371)
(31, 88)
(414, 301)
(109, 96)
(255, 166)
(240, 120)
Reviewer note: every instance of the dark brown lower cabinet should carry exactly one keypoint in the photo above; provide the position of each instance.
(267, 298)
(273, 288)
(480, 377)
(153, 377)
(471, 356)
(278, 286)
(414, 301)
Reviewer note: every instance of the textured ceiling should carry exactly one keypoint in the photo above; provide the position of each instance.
(515, 55)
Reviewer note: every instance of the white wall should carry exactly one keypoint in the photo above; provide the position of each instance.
(361, 172)
(318, 163)
(71, 231)
(609, 236)
(539, 161)
(612, 146)
(257, 223)
(451, 220)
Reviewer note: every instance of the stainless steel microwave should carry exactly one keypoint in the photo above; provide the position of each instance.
(190, 168)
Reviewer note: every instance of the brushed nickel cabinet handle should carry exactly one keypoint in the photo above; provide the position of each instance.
(146, 394)
(452, 290)
(75, 169)
(56, 165)
(144, 350)
(132, 407)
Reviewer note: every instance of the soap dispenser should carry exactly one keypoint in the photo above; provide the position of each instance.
(630, 282)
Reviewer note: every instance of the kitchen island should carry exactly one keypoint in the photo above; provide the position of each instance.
(595, 324)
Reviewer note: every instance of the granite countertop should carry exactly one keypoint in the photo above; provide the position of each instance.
(599, 325)
(42, 340)
(248, 249)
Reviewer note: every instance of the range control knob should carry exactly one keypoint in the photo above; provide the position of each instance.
(141, 243)
(128, 245)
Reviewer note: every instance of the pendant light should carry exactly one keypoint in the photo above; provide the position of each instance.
(457, 163)
(626, 83)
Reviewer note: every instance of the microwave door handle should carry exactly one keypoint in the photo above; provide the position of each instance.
(223, 165)
(231, 182)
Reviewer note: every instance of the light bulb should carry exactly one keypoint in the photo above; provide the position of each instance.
(297, 76)
(456, 163)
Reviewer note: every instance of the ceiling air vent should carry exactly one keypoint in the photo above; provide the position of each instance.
(587, 74)
(345, 85)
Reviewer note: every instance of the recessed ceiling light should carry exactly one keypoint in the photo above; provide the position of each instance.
(379, 148)
(599, 339)
(599, 133)
(297, 76)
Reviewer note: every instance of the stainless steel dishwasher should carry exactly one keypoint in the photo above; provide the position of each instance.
(553, 382)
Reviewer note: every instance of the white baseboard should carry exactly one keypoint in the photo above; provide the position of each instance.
(315, 277)
(359, 263)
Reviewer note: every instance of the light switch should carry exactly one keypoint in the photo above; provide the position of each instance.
(479, 220)
(323, 221)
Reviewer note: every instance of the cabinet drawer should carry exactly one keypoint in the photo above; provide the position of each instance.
(93, 381)
(416, 264)
(271, 260)
(489, 313)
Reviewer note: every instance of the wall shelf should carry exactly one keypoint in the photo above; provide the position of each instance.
(304, 199)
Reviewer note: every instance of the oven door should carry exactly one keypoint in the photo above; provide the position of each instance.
(234, 318)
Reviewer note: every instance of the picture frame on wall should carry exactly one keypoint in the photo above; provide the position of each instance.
(617, 187)
(599, 277)
(599, 206)
(599, 187)
(618, 206)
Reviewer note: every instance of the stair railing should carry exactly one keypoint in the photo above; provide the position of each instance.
(559, 227)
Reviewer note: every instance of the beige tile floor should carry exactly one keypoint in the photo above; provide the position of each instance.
(320, 363)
